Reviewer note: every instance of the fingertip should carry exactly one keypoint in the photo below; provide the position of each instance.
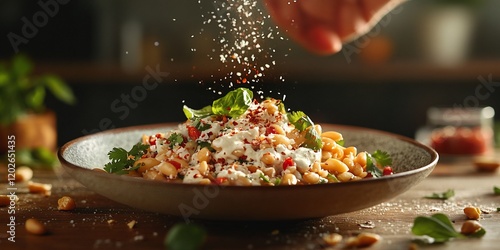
(323, 41)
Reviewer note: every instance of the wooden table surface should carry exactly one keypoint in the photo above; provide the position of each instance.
(87, 226)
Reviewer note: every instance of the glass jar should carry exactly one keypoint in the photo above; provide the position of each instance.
(459, 131)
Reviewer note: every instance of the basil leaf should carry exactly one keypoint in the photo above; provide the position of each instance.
(496, 190)
(480, 233)
(300, 120)
(313, 139)
(281, 108)
(437, 226)
(185, 237)
(442, 196)
(59, 89)
(234, 103)
(200, 113)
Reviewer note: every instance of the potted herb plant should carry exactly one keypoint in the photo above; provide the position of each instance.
(23, 112)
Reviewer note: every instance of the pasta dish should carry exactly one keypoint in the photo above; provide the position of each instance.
(240, 141)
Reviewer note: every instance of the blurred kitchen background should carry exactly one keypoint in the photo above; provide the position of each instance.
(426, 53)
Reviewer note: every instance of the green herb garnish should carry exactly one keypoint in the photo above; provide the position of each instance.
(302, 122)
(205, 144)
(201, 126)
(496, 190)
(185, 237)
(263, 177)
(442, 196)
(438, 227)
(332, 178)
(175, 139)
(376, 160)
(341, 143)
(233, 104)
(193, 113)
(277, 181)
(383, 158)
(122, 161)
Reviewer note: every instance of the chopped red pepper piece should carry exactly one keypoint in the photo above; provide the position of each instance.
(288, 163)
(387, 170)
(177, 165)
(193, 132)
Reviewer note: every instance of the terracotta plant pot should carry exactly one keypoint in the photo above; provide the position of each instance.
(32, 131)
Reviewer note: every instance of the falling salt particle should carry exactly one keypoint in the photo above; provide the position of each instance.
(126, 52)
(156, 44)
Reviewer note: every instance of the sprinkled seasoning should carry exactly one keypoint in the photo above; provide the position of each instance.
(243, 33)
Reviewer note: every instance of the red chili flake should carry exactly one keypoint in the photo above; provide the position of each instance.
(270, 130)
(158, 135)
(288, 163)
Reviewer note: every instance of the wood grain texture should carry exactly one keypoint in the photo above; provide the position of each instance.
(89, 226)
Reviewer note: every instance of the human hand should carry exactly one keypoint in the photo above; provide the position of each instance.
(322, 26)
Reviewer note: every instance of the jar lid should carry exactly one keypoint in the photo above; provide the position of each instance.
(456, 116)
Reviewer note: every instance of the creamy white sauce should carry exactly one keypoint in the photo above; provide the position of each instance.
(243, 134)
